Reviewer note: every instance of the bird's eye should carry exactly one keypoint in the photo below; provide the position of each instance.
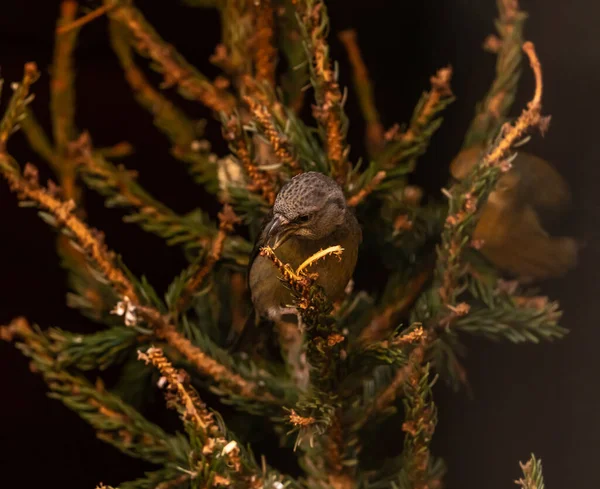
(303, 218)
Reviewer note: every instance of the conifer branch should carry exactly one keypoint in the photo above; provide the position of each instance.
(120, 188)
(466, 196)
(383, 321)
(212, 443)
(180, 130)
(364, 192)
(329, 111)
(508, 313)
(15, 112)
(230, 381)
(234, 55)
(227, 219)
(364, 91)
(492, 110)
(324, 346)
(416, 342)
(279, 142)
(175, 69)
(296, 78)
(402, 149)
(81, 21)
(260, 181)
(92, 351)
(38, 140)
(532, 474)
(89, 240)
(264, 52)
(92, 245)
(62, 94)
(114, 421)
(419, 425)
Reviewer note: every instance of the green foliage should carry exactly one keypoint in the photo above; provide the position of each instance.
(114, 421)
(532, 474)
(492, 110)
(434, 279)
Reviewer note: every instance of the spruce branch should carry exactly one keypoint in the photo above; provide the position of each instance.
(182, 132)
(401, 149)
(364, 91)
(279, 142)
(324, 345)
(329, 112)
(15, 112)
(261, 181)
(67, 27)
(466, 196)
(234, 55)
(532, 474)
(227, 219)
(502, 311)
(227, 379)
(38, 140)
(89, 240)
(419, 425)
(383, 320)
(121, 189)
(493, 108)
(415, 342)
(114, 421)
(92, 351)
(265, 54)
(62, 93)
(92, 245)
(364, 192)
(175, 69)
(296, 78)
(216, 458)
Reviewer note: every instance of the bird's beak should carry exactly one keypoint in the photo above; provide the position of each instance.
(278, 231)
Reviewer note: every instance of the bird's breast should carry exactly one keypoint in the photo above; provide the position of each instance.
(333, 272)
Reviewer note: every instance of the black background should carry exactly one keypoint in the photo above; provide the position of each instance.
(526, 398)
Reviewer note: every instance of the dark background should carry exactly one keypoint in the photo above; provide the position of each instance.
(540, 398)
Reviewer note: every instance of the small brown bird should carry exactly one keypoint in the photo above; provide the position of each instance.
(510, 222)
(309, 214)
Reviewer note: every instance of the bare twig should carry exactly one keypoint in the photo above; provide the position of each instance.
(176, 70)
(364, 90)
(367, 189)
(94, 14)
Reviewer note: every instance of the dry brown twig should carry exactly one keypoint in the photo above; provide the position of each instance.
(364, 90)
(227, 220)
(367, 189)
(440, 87)
(85, 19)
(175, 69)
(264, 52)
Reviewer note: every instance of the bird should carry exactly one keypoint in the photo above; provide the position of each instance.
(309, 214)
(511, 221)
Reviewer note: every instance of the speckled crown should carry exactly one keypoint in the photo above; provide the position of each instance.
(305, 192)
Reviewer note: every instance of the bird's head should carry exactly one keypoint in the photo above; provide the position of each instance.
(311, 206)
